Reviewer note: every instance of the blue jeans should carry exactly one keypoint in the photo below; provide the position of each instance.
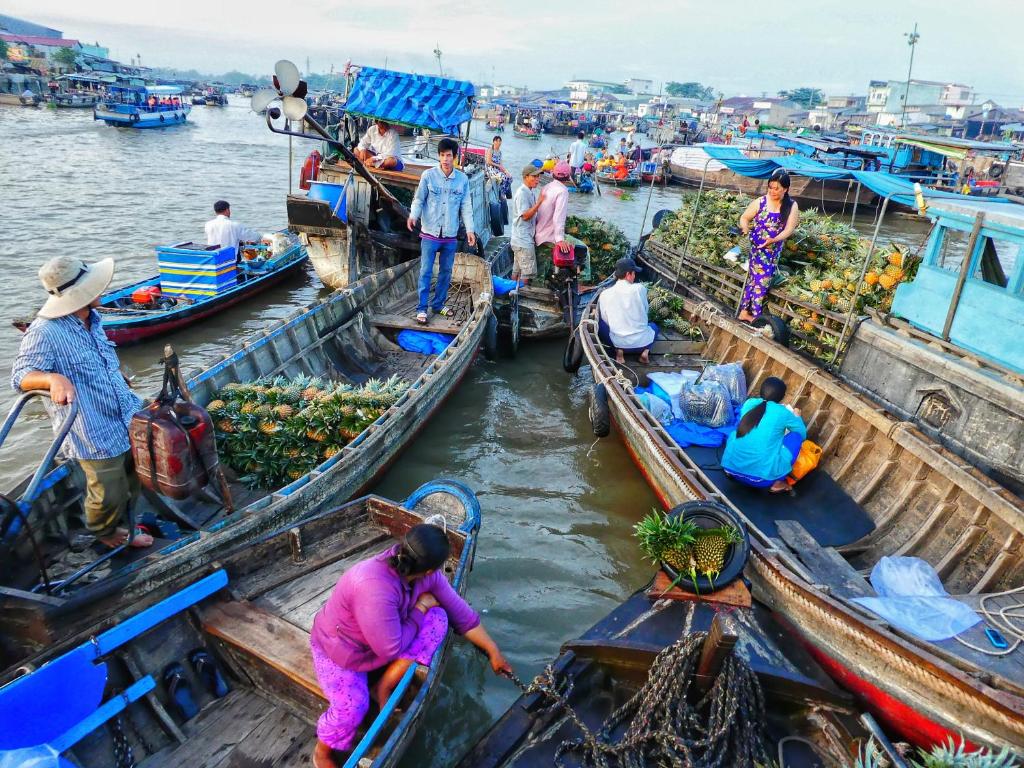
(428, 250)
(604, 334)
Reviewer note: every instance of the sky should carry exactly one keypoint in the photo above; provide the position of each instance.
(739, 47)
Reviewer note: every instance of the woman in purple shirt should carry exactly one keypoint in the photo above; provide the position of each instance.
(386, 612)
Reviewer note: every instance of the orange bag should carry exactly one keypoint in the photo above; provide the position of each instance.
(808, 458)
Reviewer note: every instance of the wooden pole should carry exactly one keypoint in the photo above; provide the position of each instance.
(717, 647)
(965, 267)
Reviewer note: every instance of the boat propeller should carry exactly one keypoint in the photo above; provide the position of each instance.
(288, 88)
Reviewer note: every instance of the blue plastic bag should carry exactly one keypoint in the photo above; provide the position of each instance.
(424, 342)
(503, 286)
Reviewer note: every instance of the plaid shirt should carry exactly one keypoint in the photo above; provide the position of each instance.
(87, 359)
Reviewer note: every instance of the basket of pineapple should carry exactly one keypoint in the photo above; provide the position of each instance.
(605, 241)
(273, 431)
(701, 545)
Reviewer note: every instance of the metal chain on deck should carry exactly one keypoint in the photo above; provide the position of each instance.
(124, 755)
(724, 729)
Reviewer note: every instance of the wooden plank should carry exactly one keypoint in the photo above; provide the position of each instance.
(278, 735)
(827, 565)
(215, 731)
(436, 323)
(734, 593)
(717, 646)
(266, 638)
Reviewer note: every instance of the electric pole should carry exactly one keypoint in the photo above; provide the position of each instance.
(912, 38)
(437, 55)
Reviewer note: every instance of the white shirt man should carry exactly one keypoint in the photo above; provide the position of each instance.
(381, 147)
(623, 309)
(224, 232)
(577, 153)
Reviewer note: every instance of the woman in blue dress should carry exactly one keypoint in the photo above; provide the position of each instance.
(769, 221)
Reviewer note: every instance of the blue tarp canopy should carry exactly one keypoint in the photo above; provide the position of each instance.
(900, 189)
(417, 101)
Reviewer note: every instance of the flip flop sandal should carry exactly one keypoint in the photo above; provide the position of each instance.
(421, 318)
(446, 312)
(206, 667)
(179, 691)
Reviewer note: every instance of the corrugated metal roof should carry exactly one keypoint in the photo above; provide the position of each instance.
(52, 42)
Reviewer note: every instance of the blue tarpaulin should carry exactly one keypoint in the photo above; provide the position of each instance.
(418, 101)
(899, 189)
(423, 342)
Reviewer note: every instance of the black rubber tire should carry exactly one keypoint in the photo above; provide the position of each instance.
(504, 209)
(656, 221)
(162, 118)
(572, 358)
(778, 327)
(508, 336)
(490, 340)
(600, 415)
(497, 225)
(996, 170)
(711, 514)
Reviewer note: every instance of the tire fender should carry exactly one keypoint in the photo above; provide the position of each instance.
(777, 326)
(490, 339)
(715, 514)
(600, 414)
(572, 358)
(497, 225)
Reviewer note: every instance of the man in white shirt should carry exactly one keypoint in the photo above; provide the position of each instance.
(224, 232)
(576, 155)
(380, 147)
(623, 314)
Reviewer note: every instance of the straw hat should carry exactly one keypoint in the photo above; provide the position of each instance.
(73, 284)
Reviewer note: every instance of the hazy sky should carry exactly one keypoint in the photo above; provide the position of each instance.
(739, 47)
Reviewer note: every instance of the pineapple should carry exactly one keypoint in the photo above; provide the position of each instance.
(310, 393)
(711, 547)
(295, 473)
(316, 435)
(269, 427)
(330, 451)
(894, 271)
(215, 406)
(826, 284)
(226, 426)
(887, 281)
(264, 411)
(293, 453)
(871, 278)
(283, 411)
(843, 304)
(895, 258)
(249, 407)
(666, 539)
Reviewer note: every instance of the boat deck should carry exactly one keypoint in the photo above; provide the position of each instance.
(243, 729)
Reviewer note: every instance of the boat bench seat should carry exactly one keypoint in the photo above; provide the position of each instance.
(825, 564)
(266, 637)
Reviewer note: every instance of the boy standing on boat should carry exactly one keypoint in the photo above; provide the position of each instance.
(380, 147)
(525, 205)
(441, 198)
(66, 353)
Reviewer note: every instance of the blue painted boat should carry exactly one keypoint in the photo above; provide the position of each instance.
(151, 106)
(218, 664)
(188, 298)
(349, 336)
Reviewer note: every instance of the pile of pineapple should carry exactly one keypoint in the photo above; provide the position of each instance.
(666, 309)
(819, 265)
(273, 431)
(606, 242)
(684, 546)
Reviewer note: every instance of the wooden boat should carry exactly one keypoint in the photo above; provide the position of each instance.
(607, 176)
(526, 133)
(126, 106)
(888, 490)
(810, 721)
(251, 612)
(128, 321)
(347, 337)
(353, 219)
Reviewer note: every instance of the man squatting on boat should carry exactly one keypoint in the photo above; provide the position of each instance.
(66, 352)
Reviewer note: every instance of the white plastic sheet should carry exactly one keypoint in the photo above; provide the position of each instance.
(911, 597)
(671, 383)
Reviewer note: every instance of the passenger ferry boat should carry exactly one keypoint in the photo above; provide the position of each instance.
(150, 106)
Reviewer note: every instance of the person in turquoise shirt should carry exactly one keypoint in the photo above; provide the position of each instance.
(761, 451)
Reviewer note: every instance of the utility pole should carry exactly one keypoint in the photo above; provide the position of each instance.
(437, 55)
(912, 38)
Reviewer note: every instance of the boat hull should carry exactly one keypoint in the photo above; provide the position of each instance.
(136, 118)
(883, 667)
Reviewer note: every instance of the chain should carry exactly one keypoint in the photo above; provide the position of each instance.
(724, 728)
(124, 756)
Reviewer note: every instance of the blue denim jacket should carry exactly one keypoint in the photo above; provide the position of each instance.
(439, 200)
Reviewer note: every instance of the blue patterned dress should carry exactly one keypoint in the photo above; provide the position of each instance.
(761, 268)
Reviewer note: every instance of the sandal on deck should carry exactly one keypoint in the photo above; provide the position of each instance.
(421, 318)
(179, 692)
(206, 667)
(446, 312)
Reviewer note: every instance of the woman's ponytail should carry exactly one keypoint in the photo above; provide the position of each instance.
(425, 548)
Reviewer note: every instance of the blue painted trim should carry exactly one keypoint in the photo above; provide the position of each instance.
(142, 562)
(378, 723)
(106, 711)
(141, 622)
(455, 488)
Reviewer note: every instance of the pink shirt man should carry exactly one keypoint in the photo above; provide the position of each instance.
(551, 214)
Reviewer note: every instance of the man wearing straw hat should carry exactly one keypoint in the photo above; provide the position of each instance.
(66, 353)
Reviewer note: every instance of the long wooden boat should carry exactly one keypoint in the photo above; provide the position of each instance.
(810, 722)
(346, 337)
(526, 133)
(605, 177)
(882, 488)
(251, 614)
(126, 321)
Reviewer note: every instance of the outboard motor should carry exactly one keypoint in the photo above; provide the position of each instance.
(173, 442)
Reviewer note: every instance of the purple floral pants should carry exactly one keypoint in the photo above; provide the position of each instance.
(347, 691)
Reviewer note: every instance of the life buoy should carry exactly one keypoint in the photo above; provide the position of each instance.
(995, 170)
(310, 169)
(135, 117)
(161, 118)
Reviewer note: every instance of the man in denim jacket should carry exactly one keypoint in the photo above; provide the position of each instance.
(442, 195)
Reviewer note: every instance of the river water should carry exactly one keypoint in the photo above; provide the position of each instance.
(555, 552)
